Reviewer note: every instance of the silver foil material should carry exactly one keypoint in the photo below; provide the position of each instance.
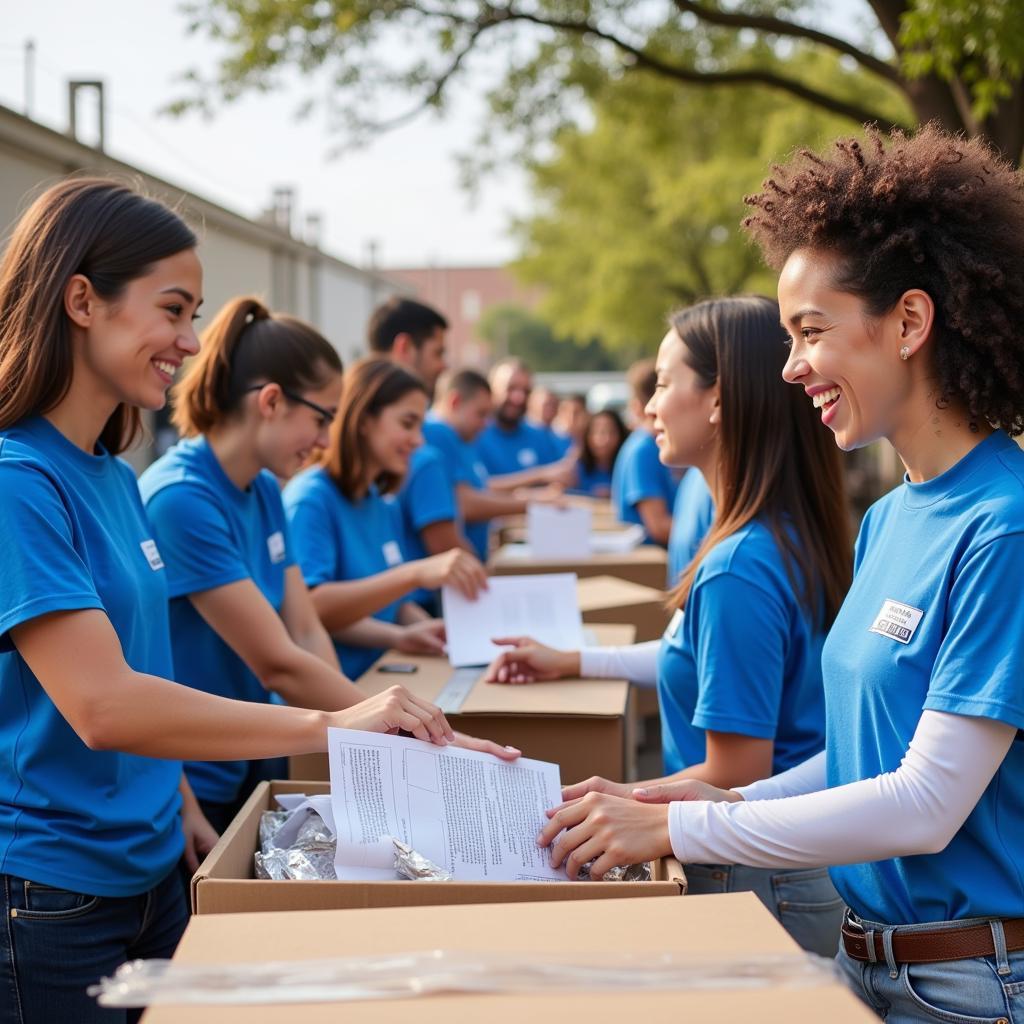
(630, 873)
(309, 858)
(410, 864)
(270, 822)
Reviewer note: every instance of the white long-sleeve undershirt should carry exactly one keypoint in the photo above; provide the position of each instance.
(637, 663)
(918, 808)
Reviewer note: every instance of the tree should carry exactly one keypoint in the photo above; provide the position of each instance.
(514, 331)
(639, 213)
(960, 62)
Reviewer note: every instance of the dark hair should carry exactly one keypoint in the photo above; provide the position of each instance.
(466, 384)
(643, 380)
(244, 345)
(775, 459)
(574, 396)
(371, 385)
(402, 316)
(103, 230)
(587, 457)
(934, 212)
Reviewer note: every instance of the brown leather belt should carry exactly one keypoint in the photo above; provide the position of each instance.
(926, 947)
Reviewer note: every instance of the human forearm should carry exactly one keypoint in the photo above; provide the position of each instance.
(806, 777)
(916, 809)
(482, 506)
(370, 632)
(307, 681)
(637, 663)
(341, 603)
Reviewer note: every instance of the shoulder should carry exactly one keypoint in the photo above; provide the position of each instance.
(26, 471)
(311, 485)
(751, 555)
(178, 465)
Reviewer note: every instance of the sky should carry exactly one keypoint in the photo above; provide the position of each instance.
(401, 194)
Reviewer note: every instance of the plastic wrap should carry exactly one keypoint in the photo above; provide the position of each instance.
(405, 975)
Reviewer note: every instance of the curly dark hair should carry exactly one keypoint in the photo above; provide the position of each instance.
(932, 211)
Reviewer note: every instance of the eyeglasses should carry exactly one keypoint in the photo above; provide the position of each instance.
(327, 414)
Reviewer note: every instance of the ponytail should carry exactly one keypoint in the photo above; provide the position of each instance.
(247, 345)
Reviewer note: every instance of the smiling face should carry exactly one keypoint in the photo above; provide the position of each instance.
(685, 413)
(290, 431)
(393, 434)
(511, 389)
(847, 361)
(603, 437)
(131, 347)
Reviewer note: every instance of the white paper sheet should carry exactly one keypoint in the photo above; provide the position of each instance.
(470, 813)
(617, 542)
(558, 532)
(544, 607)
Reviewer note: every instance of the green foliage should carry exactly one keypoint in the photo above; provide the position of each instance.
(979, 43)
(641, 213)
(514, 331)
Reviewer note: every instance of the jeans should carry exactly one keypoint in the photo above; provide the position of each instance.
(804, 902)
(56, 943)
(984, 990)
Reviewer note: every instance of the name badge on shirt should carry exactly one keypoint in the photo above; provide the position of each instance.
(481, 470)
(674, 623)
(527, 457)
(392, 553)
(275, 547)
(152, 553)
(897, 621)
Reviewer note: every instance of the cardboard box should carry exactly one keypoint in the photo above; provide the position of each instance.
(579, 724)
(646, 565)
(224, 883)
(610, 599)
(728, 927)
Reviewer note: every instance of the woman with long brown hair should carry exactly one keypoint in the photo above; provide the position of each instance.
(98, 290)
(739, 667)
(347, 526)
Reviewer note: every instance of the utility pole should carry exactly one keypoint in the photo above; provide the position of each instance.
(30, 76)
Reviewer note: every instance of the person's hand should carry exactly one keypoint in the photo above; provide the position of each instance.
(595, 784)
(454, 568)
(550, 494)
(486, 746)
(530, 662)
(683, 789)
(200, 835)
(393, 710)
(426, 637)
(607, 830)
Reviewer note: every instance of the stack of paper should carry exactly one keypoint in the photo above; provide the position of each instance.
(470, 813)
(558, 532)
(544, 607)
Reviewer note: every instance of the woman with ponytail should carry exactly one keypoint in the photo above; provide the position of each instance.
(98, 290)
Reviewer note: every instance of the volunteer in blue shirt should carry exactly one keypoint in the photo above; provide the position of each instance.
(509, 445)
(541, 410)
(603, 439)
(901, 289)
(643, 487)
(692, 515)
(461, 411)
(738, 670)
(347, 529)
(98, 290)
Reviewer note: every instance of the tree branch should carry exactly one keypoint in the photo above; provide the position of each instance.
(751, 76)
(782, 27)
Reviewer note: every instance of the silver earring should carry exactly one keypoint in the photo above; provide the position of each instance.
(905, 353)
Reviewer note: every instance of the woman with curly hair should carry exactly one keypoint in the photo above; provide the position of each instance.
(902, 291)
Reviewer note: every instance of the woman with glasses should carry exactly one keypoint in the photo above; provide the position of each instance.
(252, 407)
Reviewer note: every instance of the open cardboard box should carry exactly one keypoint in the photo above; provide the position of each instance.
(646, 565)
(729, 928)
(580, 725)
(610, 599)
(224, 883)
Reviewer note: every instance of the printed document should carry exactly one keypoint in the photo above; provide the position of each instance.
(554, 532)
(544, 607)
(470, 813)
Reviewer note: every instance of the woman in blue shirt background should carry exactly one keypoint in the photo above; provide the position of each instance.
(347, 528)
(738, 670)
(98, 290)
(902, 290)
(603, 438)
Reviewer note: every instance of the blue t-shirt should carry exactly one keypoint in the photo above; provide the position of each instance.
(744, 658)
(692, 516)
(934, 620)
(93, 821)
(212, 534)
(427, 496)
(639, 476)
(336, 539)
(462, 462)
(596, 482)
(525, 446)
